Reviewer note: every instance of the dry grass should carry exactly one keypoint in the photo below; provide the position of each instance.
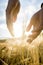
(14, 53)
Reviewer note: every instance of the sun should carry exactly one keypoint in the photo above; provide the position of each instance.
(17, 29)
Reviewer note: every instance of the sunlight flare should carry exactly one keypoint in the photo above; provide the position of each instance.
(17, 30)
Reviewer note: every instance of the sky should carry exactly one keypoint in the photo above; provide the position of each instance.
(28, 8)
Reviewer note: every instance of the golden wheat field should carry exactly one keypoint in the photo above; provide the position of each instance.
(15, 52)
